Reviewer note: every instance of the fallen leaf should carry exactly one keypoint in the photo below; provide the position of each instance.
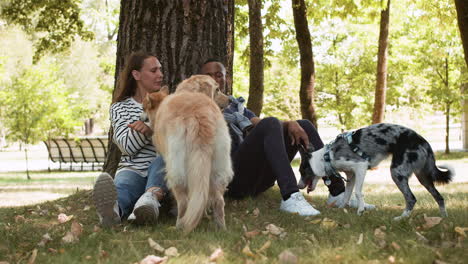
(96, 229)
(216, 255)
(52, 250)
(103, 254)
(274, 230)
(19, 219)
(86, 208)
(171, 252)
(246, 251)
(265, 246)
(152, 259)
(313, 239)
(252, 233)
(155, 245)
(76, 229)
(4, 262)
(431, 221)
(69, 238)
(45, 239)
(391, 259)
(316, 221)
(63, 218)
(88, 257)
(344, 210)
(328, 223)
(436, 261)
(287, 257)
(421, 237)
(379, 234)
(361, 238)
(256, 212)
(395, 246)
(32, 259)
(461, 230)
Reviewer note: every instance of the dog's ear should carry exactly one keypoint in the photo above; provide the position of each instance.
(147, 102)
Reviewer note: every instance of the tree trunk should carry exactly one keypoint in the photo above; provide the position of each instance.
(307, 90)
(381, 85)
(462, 15)
(27, 162)
(182, 34)
(447, 128)
(255, 102)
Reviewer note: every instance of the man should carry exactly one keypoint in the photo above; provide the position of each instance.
(262, 151)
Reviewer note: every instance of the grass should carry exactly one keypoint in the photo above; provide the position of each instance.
(22, 228)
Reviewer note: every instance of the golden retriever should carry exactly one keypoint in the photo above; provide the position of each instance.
(190, 132)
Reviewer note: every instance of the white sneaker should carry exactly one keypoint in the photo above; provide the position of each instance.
(298, 204)
(353, 203)
(105, 199)
(146, 210)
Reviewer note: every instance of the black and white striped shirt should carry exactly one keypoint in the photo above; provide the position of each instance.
(137, 149)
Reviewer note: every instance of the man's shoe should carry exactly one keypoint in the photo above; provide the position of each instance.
(105, 199)
(335, 201)
(146, 210)
(298, 204)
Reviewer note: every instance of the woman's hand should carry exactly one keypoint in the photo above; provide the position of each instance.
(296, 133)
(141, 127)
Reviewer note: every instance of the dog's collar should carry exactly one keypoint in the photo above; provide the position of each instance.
(329, 168)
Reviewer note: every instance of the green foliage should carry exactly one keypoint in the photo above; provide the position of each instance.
(56, 23)
(36, 106)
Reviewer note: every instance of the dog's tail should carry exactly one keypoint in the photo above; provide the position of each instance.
(439, 176)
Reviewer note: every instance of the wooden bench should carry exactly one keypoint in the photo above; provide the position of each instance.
(80, 150)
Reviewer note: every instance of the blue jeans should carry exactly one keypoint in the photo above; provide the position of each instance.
(130, 185)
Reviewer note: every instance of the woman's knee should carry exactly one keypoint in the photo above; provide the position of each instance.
(270, 123)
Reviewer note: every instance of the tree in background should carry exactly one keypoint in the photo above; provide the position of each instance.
(55, 23)
(255, 102)
(462, 15)
(381, 83)
(183, 34)
(307, 88)
(38, 107)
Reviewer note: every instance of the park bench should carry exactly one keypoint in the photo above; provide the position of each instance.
(78, 151)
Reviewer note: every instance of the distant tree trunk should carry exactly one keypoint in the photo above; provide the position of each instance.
(255, 102)
(462, 14)
(307, 90)
(182, 34)
(381, 85)
(447, 127)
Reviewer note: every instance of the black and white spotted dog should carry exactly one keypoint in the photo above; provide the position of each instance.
(356, 152)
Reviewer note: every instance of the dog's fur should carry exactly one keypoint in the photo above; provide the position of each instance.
(411, 154)
(191, 134)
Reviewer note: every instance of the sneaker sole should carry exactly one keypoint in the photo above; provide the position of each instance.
(145, 215)
(105, 195)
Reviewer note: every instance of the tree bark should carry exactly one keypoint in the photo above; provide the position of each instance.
(381, 85)
(182, 34)
(307, 89)
(255, 102)
(462, 15)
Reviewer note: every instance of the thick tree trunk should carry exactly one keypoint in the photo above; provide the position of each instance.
(462, 15)
(182, 34)
(307, 90)
(381, 85)
(255, 102)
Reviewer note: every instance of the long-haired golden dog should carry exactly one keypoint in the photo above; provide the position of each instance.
(192, 136)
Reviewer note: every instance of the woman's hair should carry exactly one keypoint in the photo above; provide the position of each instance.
(127, 84)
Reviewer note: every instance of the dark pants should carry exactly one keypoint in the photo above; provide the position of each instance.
(265, 156)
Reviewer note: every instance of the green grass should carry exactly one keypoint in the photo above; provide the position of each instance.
(127, 243)
(454, 155)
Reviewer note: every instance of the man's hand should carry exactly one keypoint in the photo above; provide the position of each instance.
(141, 127)
(296, 133)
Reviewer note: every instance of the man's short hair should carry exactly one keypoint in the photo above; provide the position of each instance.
(214, 60)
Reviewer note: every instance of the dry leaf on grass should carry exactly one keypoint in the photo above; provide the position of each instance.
(252, 233)
(316, 221)
(274, 230)
(69, 238)
(19, 219)
(461, 231)
(154, 245)
(256, 212)
(431, 221)
(246, 251)
(33, 256)
(4, 262)
(396, 246)
(171, 252)
(76, 229)
(86, 208)
(63, 218)
(328, 223)
(287, 257)
(216, 255)
(421, 237)
(379, 234)
(265, 246)
(45, 239)
(152, 259)
(391, 259)
(361, 238)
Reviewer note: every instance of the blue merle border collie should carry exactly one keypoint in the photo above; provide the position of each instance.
(356, 152)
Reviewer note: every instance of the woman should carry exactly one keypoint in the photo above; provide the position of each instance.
(137, 188)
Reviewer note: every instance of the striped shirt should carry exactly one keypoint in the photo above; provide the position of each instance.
(137, 149)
